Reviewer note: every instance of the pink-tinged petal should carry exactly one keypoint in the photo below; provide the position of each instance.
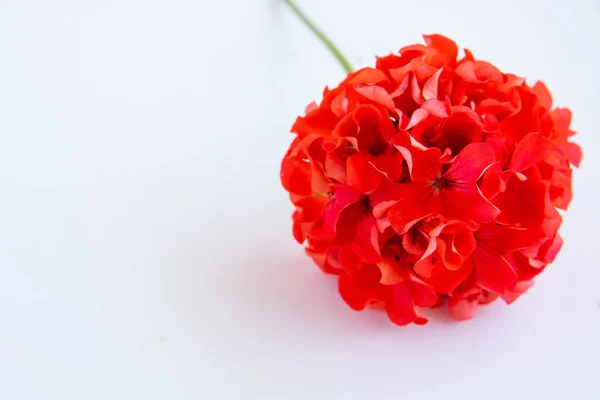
(389, 165)
(466, 70)
(335, 167)
(417, 203)
(463, 309)
(492, 270)
(562, 120)
(571, 151)
(464, 202)
(362, 174)
(495, 107)
(532, 149)
(415, 91)
(423, 294)
(446, 47)
(479, 72)
(470, 163)
(551, 249)
(400, 305)
(366, 242)
(319, 183)
(445, 281)
(430, 89)
(417, 117)
(522, 204)
(415, 242)
(513, 294)
(424, 165)
(326, 261)
(360, 288)
(377, 95)
(386, 195)
(487, 72)
(436, 108)
(402, 86)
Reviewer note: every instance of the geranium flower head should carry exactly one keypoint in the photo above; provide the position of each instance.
(431, 178)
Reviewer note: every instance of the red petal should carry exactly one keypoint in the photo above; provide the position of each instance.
(463, 309)
(572, 151)
(469, 164)
(369, 76)
(464, 202)
(362, 174)
(345, 195)
(371, 128)
(417, 202)
(543, 94)
(296, 176)
(532, 149)
(506, 239)
(445, 281)
(378, 95)
(386, 195)
(444, 46)
(492, 270)
(430, 89)
(390, 272)
(318, 183)
(523, 203)
(360, 288)
(400, 306)
(335, 167)
(319, 120)
(423, 294)
(516, 292)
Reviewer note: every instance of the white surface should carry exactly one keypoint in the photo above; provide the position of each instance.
(145, 242)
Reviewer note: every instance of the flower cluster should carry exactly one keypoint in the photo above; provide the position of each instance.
(431, 179)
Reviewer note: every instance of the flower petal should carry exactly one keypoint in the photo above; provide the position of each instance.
(492, 270)
(362, 174)
(417, 202)
(470, 163)
(522, 204)
(464, 202)
(400, 305)
(361, 287)
(532, 149)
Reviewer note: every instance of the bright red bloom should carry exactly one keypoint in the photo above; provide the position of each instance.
(431, 178)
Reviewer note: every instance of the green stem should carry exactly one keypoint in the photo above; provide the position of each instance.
(334, 50)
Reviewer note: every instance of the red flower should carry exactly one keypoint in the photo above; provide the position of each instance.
(430, 178)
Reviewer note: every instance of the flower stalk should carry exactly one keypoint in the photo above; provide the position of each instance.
(326, 41)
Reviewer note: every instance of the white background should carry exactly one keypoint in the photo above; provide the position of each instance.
(145, 241)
